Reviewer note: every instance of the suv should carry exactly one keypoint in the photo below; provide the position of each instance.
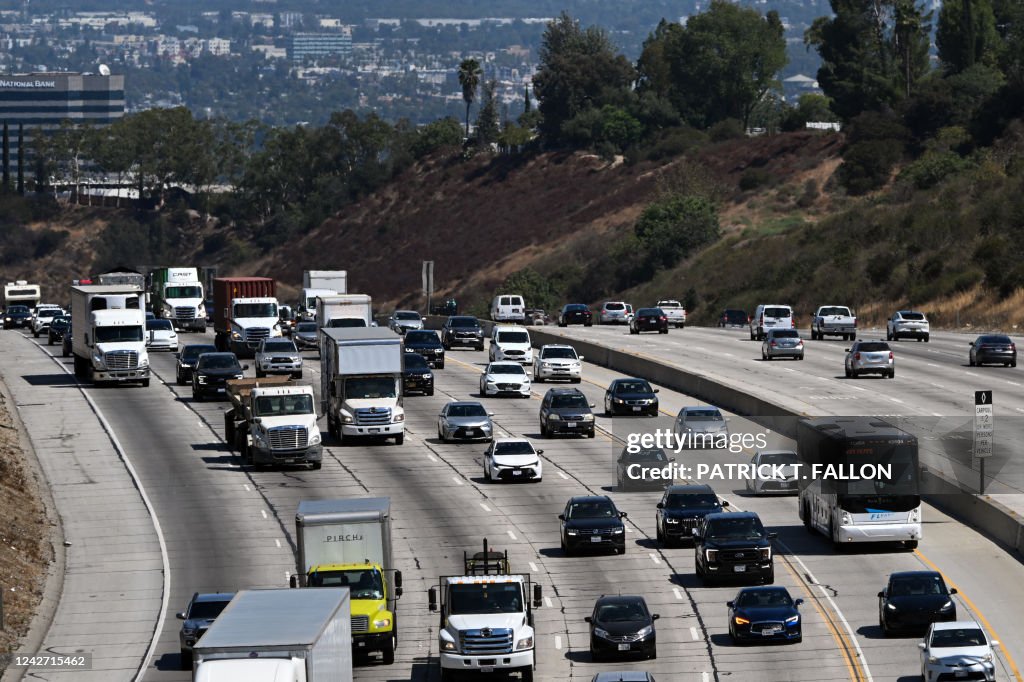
(41, 320)
(613, 312)
(278, 356)
(17, 316)
(870, 357)
(426, 343)
(733, 545)
(733, 317)
(511, 343)
(681, 509)
(592, 522)
(212, 372)
(907, 323)
(462, 330)
(402, 321)
(187, 359)
(197, 617)
(557, 361)
(58, 328)
(566, 410)
(770, 317)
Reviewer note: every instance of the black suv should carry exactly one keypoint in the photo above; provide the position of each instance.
(212, 372)
(58, 328)
(642, 468)
(462, 330)
(592, 522)
(200, 613)
(17, 316)
(416, 374)
(681, 509)
(566, 410)
(426, 343)
(732, 547)
(187, 359)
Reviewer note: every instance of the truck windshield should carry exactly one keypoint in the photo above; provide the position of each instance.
(742, 528)
(118, 334)
(256, 310)
(183, 292)
(362, 584)
(487, 598)
(284, 346)
(835, 310)
(280, 405)
(363, 388)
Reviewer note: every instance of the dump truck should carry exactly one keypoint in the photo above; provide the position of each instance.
(108, 335)
(347, 543)
(272, 420)
(176, 294)
(244, 313)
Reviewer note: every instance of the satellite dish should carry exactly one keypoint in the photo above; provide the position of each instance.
(104, 70)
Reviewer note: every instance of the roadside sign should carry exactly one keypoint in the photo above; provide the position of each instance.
(983, 428)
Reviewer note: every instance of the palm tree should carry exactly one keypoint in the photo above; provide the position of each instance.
(469, 79)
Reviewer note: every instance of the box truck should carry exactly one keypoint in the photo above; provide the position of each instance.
(349, 310)
(334, 280)
(278, 636)
(244, 313)
(108, 334)
(347, 543)
(176, 294)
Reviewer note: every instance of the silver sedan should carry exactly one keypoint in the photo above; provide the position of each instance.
(782, 343)
(464, 420)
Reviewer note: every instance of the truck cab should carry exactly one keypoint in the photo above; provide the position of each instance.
(374, 625)
(486, 618)
(110, 345)
(252, 320)
(177, 295)
(307, 306)
(280, 420)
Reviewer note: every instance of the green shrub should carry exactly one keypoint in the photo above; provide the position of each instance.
(753, 178)
(729, 129)
(933, 168)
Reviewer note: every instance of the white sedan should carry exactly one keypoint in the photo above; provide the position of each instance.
(513, 459)
(957, 649)
(505, 378)
(775, 472)
(160, 335)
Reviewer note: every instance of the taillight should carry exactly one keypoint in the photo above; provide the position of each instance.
(891, 356)
(856, 356)
(761, 322)
(773, 344)
(1013, 347)
(662, 318)
(792, 322)
(855, 322)
(800, 342)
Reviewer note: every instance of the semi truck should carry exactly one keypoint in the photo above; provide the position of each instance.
(125, 277)
(347, 543)
(272, 420)
(348, 310)
(21, 292)
(244, 313)
(108, 335)
(486, 617)
(176, 294)
(361, 383)
(278, 635)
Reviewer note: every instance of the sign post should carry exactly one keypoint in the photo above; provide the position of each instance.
(428, 281)
(983, 428)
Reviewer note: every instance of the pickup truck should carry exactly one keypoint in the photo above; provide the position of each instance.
(674, 311)
(834, 320)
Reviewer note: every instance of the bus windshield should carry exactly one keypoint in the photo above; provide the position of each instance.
(895, 492)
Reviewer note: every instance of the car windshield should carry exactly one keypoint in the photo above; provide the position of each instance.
(403, 315)
(777, 458)
(159, 325)
(958, 637)
(506, 369)
(559, 353)
(912, 316)
(593, 509)
(835, 310)
(516, 447)
(183, 292)
(513, 337)
(118, 334)
(777, 312)
(255, 310)
(366, 388)
(777, 597)
(905, 586)
(193, 352)
(621, 612)
(470, 410)
(562, 401)
(346, 322)
(422, 337)
(279, 346)
(463, 322)
(785, 334)
(633, 387)
(669, 304)
(691, 501)
(645, 455)
(614, 306)
(740, 528)
(414, 361)
(485, 598)
(650, 312)
(21, 309)
(362, 584)
(206, 610)
(59, 321)
(305, 327)
(873, 347)
(703, 416)
(279, 405)
(48, 312)
(218, 361)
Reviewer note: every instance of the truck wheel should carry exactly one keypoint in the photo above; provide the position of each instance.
(229, 428)
(527, 674)
(389, 651)
(853, 337)
(185, 660)
(259, 373)
(399, 439)
(297, 375)
(316, 466)
(447, 675)
(145, 383)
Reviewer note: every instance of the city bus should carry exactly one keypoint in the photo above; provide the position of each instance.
(859, 480)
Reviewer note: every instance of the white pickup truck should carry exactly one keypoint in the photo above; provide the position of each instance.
(834, 320)
(674, 311)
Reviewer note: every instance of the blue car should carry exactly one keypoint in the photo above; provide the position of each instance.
(765, 614)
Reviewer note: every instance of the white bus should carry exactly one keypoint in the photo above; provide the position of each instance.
(859, 480)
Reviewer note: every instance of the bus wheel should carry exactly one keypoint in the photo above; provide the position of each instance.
(808, 526)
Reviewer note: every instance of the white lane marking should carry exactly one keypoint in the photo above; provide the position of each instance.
(932, 364)
(533, 567)
(247, 488)
(431, 458)
(277, 542)
(562, 474)
(264, 512)
(547, 602)
(694, 635)
(896, 400)
(936, 414)
(558, 642)
(457, 480)
(789, 369)
(512, 535)
(705, 677)
(654, 558)
(485, 507)
(1012, 383)
(675, 591)
(628, 529)
(287, 576)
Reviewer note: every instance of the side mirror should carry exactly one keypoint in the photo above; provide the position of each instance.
(258, 420)
(622, 515)
(87, 339)
(847, 350)
(177, 355)
(591, 405)
(995, 642)
(432, 598)
(245, 367)
(561, 517)
(180, 615)
(293, 581)
(725, 503)
(953, 591)
(920, 645)
(490, 414)
(588, 619)
(540, 452)
(730, 604)
(694, 532)
(580, 358)
(772, 536)
(882, 594)
(398, 592)
(660, 505)
(398, 578)
(538, 596)
(798, 602)
(655, 616)
(971, 343)
(657, 390)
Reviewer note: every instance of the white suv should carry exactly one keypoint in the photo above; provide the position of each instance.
(907, 323)
(42, 318)
(511, 343)
(557, 361)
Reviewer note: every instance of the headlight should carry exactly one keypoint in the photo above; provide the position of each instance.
(382, 623)
(601, 633)
(236, 336)
(398, 418)
(588, 417)
(618, 531)
(947, 606)
(188, 632)
(524, 643)
(201, 378)
(645, 631)
(554, 418)
(766, 553)
(711, 554)
(846, 519)
(314, 439)
(987, 658)
(238, 376)
(671, 521)
(618, 401)
(97, 360)
(144, 362)
(740, 620)
(428, 375)
(792, 620)
(346, 419)
(933, 659)
(448, 646)
(546, 365)
(570, 531)
(891, 607)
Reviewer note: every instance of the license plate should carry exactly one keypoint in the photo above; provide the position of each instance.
(767, 632)
(291, 461)
(517, 473)
(960, 673)
(487, 669)
(571, 425)
(595, 538)
(220, 390)
(624, 647)
(739, 569)
(374, 430)
(636, 409)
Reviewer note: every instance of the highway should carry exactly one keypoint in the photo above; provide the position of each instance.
(229, 526)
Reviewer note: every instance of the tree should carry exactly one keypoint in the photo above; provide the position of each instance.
(469, 79)
(21, 159)
(672, 227)
(967, 34)
(654, 69)
(910, 42)
(487, 125)
(6, 159)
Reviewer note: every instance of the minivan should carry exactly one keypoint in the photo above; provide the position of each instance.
(772, 316)
(508, 308)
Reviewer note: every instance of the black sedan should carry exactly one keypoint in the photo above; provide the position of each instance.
(427, 343)
(649, 320)
(732, 317)
(993, 349)
(630, 396)
(17, 317)
(765, 614)
(575, 313)
(592, 522)
(416, 374)
(642, 469)
(59, 326)
(913, 600)
(187, 359)
(622, 626)
(212, 372)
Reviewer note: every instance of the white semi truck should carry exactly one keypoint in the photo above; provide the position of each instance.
(349, 310)
(273, 421)
(361, 382)
(176, 294)
(108, 337)
(280, 635)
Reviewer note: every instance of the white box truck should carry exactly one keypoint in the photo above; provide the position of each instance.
(108, 334)
(349, 310)
(361, 383)
(347, 543)
(278, 636)
(334, 280)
